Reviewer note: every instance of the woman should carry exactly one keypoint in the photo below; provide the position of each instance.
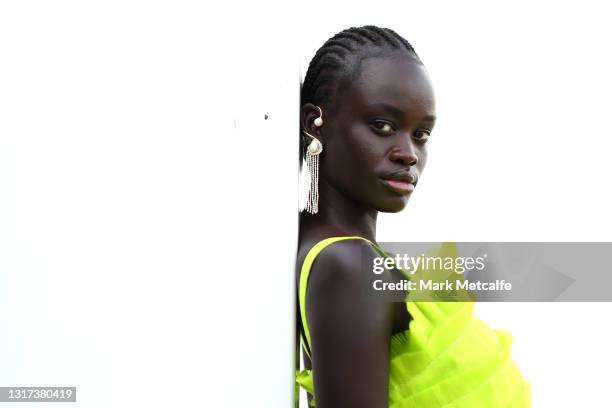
(367, 113)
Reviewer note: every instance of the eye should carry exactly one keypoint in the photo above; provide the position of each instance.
(422, 135)
(383, 127)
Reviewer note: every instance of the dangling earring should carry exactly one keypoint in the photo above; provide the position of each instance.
(312, 163)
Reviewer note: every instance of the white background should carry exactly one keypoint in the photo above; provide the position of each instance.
(148, 210)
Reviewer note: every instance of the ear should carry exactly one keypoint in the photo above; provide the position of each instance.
(308, 114)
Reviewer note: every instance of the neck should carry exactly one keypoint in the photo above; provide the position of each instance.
(339, 215)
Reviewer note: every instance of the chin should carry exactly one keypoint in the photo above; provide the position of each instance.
(393, 206)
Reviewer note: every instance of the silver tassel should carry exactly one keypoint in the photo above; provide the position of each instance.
(312, 203)
(312, 163)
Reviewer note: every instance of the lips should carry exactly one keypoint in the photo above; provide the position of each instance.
(401, 183)
(400, 187)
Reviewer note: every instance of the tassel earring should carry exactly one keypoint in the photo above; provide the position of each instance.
(312, 163)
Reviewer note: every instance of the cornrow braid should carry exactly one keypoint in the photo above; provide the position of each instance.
(340, 57)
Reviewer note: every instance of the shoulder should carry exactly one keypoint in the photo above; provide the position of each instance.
(340, 289)
(342, 262)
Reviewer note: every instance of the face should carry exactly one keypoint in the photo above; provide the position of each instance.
(375, 141)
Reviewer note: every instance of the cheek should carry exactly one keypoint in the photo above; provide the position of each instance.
(352, 157)
(356, 146)
(365, 157)
(366, 148)
(422, 156)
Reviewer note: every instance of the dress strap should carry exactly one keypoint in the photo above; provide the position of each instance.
(305, 274)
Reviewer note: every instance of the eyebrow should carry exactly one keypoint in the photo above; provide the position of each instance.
(396, 111)
(429, 118)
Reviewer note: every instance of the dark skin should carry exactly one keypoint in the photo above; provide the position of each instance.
(377, 130)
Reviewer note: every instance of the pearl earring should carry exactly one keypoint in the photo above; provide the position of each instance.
(312, 163)
(318, 122)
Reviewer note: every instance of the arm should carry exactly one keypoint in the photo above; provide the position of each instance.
(349, 331)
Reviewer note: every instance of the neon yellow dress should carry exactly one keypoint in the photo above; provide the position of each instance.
(447, 358)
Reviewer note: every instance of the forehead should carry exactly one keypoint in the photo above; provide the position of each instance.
(397, 80)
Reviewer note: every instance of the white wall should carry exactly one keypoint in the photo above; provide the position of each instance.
(148, 211)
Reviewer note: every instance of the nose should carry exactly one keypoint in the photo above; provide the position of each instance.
(404, 154)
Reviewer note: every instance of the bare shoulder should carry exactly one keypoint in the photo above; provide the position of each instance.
(340, 297)
(349, 328)
(341, 263)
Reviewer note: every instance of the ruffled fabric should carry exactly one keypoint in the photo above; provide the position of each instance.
(449, 358)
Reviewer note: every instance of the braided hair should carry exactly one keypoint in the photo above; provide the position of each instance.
(338, 61)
